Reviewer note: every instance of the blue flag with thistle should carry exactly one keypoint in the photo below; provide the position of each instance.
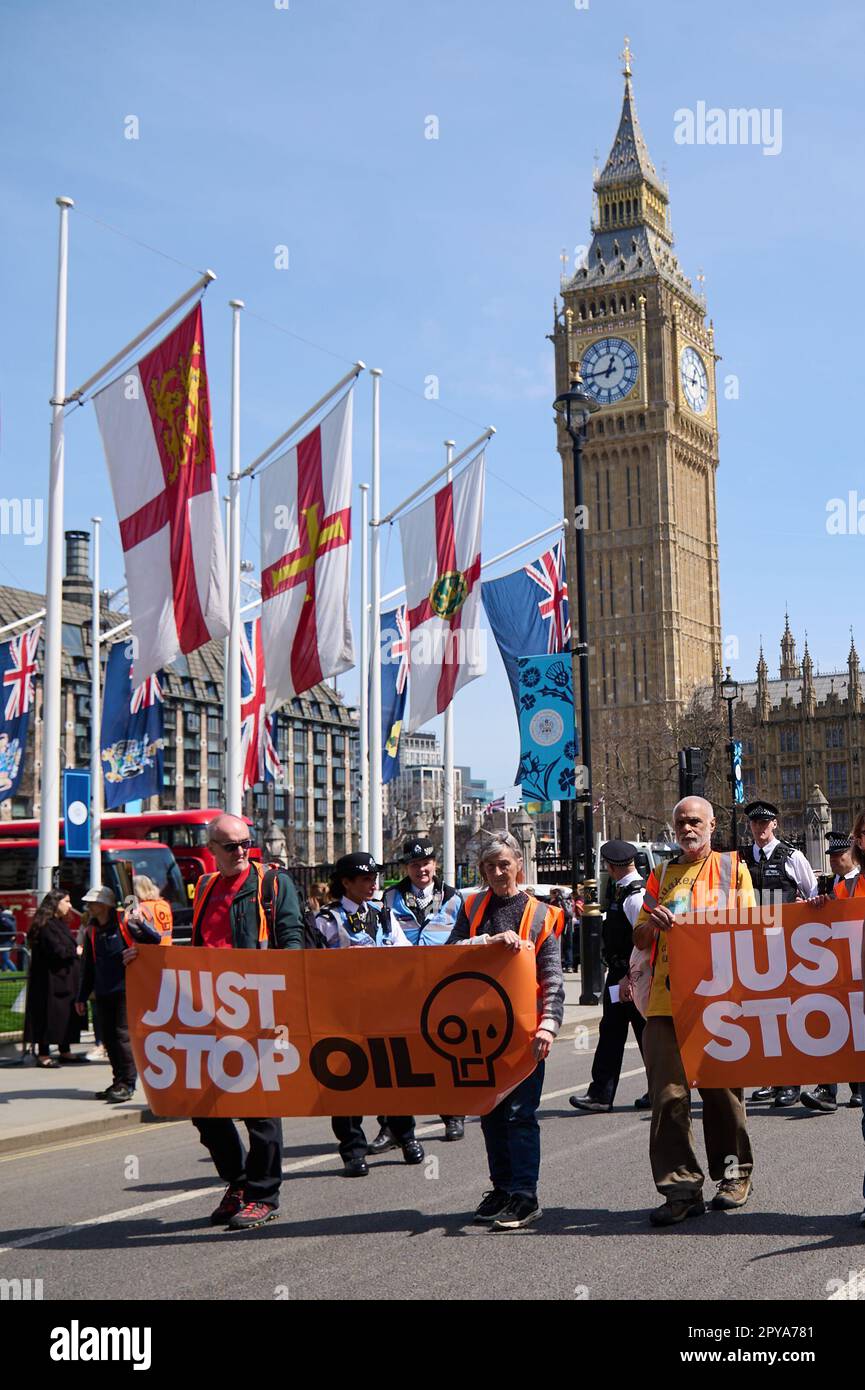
(548, 737)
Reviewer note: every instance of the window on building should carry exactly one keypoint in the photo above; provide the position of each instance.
(789, 738)
(300, 741)
(319, 742)
(337, 744)
(214, 763)
(609, 504)
(836, 778)
(637, 472)
(628, 493)
(210, 690)
(645, 671)
(320, 776)
(73, 639)
(339, 776)
(631, 582)
(606, 698)
(214, 799)
(642, 587)
(214, 728)
(612, 589)
(834, 735)
(634, 670)
(300, 810)
(791, 783)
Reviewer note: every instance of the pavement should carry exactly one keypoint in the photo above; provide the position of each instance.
(41, 1106)
(129, 1210)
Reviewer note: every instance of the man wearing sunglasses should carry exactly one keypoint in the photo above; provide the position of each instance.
(243, 907)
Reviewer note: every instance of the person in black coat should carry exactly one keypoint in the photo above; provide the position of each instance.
(52, 983)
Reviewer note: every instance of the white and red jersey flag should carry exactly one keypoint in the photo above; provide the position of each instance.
(156, 432)
(306, 559)
(441, 551)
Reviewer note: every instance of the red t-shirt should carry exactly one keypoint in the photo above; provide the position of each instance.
(216, 923)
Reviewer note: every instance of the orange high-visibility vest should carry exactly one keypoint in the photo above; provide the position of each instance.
(204, 887)
(552, 924)
(842, 889)
(158, 913)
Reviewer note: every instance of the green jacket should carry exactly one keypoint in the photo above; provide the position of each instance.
(284, 917)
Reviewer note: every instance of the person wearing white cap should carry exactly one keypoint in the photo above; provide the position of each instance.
(103, 974)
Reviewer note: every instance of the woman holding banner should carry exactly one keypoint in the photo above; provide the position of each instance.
(504, 916)
(354, 919)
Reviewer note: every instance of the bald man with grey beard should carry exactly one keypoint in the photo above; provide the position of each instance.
(698, 880)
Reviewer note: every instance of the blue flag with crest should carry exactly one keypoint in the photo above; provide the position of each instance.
(132, 731)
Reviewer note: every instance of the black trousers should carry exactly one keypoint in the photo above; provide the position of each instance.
(612, 1036)
(384, 1120)
(111, 1009)
(352, 1140)
(260, 1170)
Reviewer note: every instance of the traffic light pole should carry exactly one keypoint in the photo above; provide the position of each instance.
(733, 835)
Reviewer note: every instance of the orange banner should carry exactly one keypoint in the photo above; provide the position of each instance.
(435, 1030)
(770, 997)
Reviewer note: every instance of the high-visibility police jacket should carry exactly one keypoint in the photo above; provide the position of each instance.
(425, 921)
(359, 924)
(254, 924)
(542, 924)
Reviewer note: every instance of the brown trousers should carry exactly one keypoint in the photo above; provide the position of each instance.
(675, 1166)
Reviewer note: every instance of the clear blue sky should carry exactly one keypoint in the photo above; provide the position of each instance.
(261, 126)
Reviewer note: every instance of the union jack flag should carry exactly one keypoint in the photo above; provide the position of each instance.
(549, 574)
(20, 670)
(258, 751)
(399, 649)
(145, 694)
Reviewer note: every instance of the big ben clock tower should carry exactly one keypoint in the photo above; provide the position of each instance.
(637, 330)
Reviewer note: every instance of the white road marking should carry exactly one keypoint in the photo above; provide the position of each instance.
(160, 1203)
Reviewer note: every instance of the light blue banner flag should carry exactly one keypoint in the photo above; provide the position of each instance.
(548, 739)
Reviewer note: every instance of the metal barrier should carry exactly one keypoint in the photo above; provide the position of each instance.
(14, 968)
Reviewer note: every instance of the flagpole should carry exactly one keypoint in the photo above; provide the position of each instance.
(142, 336)
(95, 724)
(481, 439)
(448, 826)
(376, 837)
(307, 415)
(363, 828)
(504, 555)
(49, 809)
(233, 771)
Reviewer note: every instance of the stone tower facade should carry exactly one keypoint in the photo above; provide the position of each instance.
(636, 329)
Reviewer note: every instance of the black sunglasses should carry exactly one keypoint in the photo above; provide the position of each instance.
(232, 845)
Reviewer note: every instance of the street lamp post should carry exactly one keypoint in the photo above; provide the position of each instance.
(575, 407)
(730, 693)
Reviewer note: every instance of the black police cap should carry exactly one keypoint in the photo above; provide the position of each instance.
(836, 843)
(421, 847)
(618, 852)
(359, 863)
(761, 810)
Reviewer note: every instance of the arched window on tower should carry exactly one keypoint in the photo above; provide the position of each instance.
(606, 214)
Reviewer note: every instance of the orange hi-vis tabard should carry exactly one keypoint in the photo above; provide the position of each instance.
(158, 913)
(551, 919)
(204, 887)
(843, 889)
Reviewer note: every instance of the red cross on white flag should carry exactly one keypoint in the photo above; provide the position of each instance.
(441, 549)
(156, 432)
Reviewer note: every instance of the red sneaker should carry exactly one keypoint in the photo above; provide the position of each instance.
(231, 1204)
(252, 1214)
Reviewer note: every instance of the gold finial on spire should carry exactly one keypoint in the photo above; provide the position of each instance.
(564, 260)
(569, 318)
(626, 58)
(701, 280)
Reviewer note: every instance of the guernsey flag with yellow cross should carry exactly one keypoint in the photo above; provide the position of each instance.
(306, 558)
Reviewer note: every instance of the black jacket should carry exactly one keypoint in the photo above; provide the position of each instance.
(103, 971)
(285, 918)
(52, 986)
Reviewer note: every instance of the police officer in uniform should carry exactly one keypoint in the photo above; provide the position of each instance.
(618, 1013)
(427, 909)
(780, 874)
(354, 919)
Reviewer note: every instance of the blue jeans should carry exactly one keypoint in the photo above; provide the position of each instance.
(513, 1137)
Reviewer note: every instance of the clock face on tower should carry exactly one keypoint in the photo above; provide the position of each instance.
(609, 370)
(695, 382)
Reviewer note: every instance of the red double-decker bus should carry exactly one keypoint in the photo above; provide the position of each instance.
(184, 832)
